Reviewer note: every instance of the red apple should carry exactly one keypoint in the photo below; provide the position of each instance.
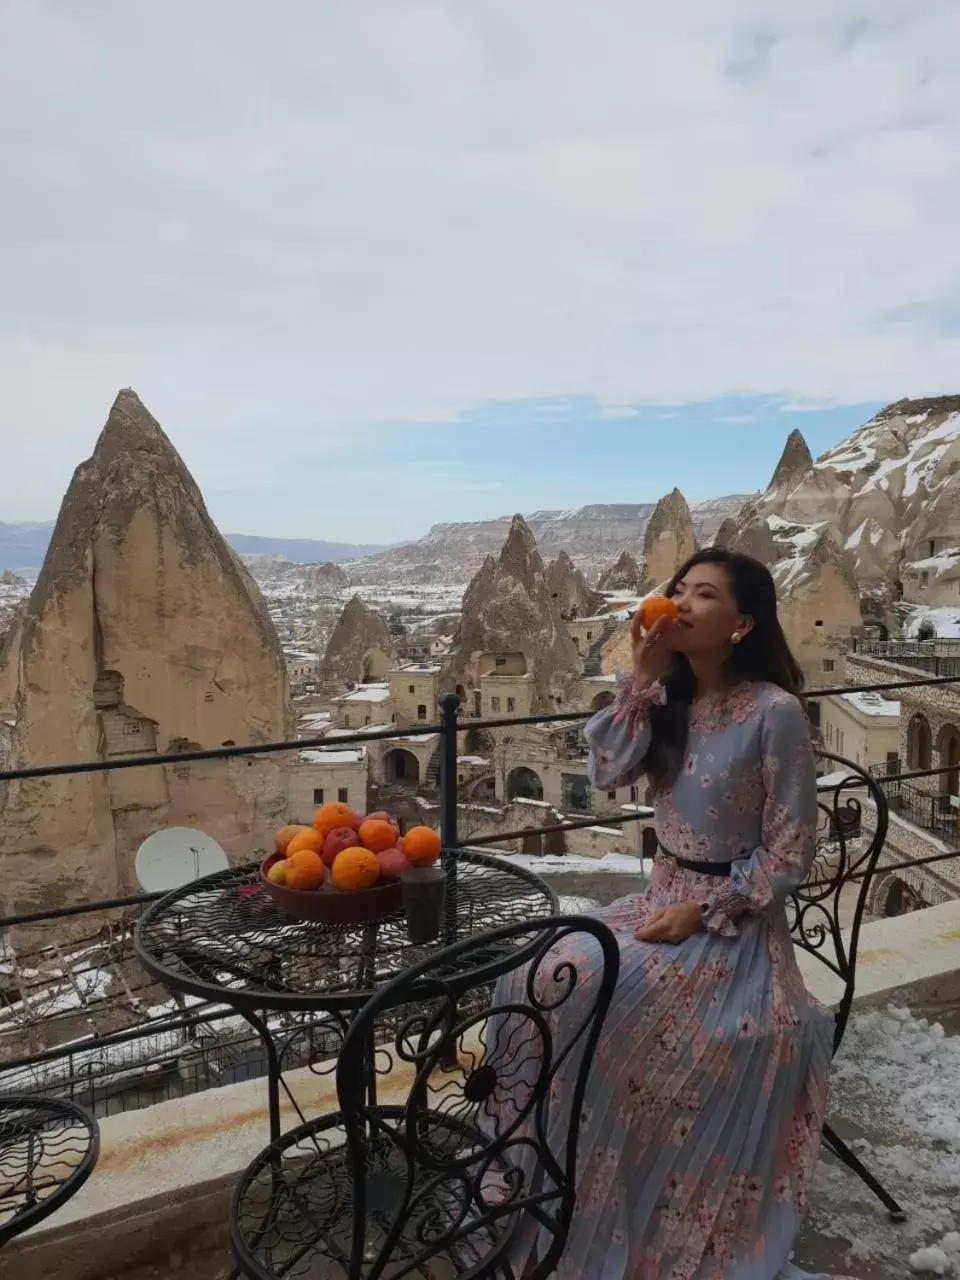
(392, 864)
(337, 840)
(382, 816)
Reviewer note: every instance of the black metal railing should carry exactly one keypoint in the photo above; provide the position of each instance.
(156, 1048)
(937, 657)
(932, 811)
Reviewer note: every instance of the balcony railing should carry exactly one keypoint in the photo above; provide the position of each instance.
(931, 811)
(936, 657)
(79, 1019)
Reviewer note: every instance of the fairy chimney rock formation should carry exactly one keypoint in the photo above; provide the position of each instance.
(569, 589)
(726, 535)
(508, 610)
(325, 576)
(143, 633)
(625, 576)
(359, 649)
(668, 540)
(795, 461)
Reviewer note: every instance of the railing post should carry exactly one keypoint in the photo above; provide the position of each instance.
(449, 710)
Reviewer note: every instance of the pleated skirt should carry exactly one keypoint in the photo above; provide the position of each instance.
(704, 1105)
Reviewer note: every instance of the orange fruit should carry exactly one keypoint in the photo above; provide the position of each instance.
(305, 839)
(286, 834)
(355, 869)
(421, 846)
(377, 835)
(651, 610)
(305, 870)
(333, 814)
(278, 873)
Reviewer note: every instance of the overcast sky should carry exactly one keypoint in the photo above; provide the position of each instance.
(327, 240)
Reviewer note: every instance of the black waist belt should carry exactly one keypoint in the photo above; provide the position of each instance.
(704, 868)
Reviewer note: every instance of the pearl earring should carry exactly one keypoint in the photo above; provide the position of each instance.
(736, 638)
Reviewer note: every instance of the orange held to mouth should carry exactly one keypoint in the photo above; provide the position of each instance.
(651, 610)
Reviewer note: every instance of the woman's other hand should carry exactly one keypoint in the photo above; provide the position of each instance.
(651, 657)
(671, 924)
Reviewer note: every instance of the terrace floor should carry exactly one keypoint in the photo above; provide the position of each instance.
(896, 1098)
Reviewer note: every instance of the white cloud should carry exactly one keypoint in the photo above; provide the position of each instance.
(342, 214)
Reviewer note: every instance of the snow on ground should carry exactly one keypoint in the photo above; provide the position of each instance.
(896, 1081)
(577, 864)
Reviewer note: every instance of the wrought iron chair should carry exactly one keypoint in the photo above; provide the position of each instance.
(472, 1175)
(846, 856)
(48, 1148)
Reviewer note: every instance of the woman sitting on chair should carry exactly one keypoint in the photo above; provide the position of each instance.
(702, 1116)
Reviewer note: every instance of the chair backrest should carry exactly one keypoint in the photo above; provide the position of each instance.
(826, 912)
(497, 1034)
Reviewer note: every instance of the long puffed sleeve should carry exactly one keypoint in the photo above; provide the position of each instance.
(619, 735)
(770, 873)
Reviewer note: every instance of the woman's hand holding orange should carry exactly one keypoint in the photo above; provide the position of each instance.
(671, 924)
(651, 655)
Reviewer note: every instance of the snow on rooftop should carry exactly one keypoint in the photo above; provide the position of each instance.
(368, 693)
(944, 621)
(421, 668)
(326, 755)
(942, 563)
(472, 760)
(872, 704)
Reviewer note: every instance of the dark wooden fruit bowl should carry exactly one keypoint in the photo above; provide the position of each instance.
(330, 905)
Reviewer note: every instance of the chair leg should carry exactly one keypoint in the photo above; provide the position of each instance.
(843, 1152)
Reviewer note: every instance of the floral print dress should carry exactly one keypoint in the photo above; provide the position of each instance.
(703, 1110)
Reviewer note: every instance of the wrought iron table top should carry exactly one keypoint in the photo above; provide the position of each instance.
(222, 938)
(48, 1148)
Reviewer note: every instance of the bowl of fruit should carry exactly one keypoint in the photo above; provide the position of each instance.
(345, 869)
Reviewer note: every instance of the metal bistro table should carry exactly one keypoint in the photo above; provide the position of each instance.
(222, 938)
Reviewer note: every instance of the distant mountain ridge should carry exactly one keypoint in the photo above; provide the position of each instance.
(593, 536)
(23, 546)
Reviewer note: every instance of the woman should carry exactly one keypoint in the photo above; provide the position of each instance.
(703, 1111)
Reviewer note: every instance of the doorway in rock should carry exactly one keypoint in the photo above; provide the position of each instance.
(401, 768)
(523, 784)
(532, 844)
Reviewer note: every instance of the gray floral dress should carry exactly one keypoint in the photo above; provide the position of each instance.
(703, 1112)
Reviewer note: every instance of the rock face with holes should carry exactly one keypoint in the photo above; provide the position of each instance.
(359, 650)
(569, 589)
(867, 533)
(144, 633)
(669, 539)
(509, 614)
(626, 576)
(888, 498)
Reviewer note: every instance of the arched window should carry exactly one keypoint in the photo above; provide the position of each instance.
(919, 743)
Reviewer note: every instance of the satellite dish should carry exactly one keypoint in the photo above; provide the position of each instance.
(175, 856)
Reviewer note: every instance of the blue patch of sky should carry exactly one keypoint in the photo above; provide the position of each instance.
(391, 483)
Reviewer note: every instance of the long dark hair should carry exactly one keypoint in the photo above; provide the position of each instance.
(762, 655)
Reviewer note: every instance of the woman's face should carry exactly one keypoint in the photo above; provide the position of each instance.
(707, 613)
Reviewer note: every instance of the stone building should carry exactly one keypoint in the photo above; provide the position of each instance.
(862, 727)
(367, 706)
(415, 693)
(331, 773)
(924, 812)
